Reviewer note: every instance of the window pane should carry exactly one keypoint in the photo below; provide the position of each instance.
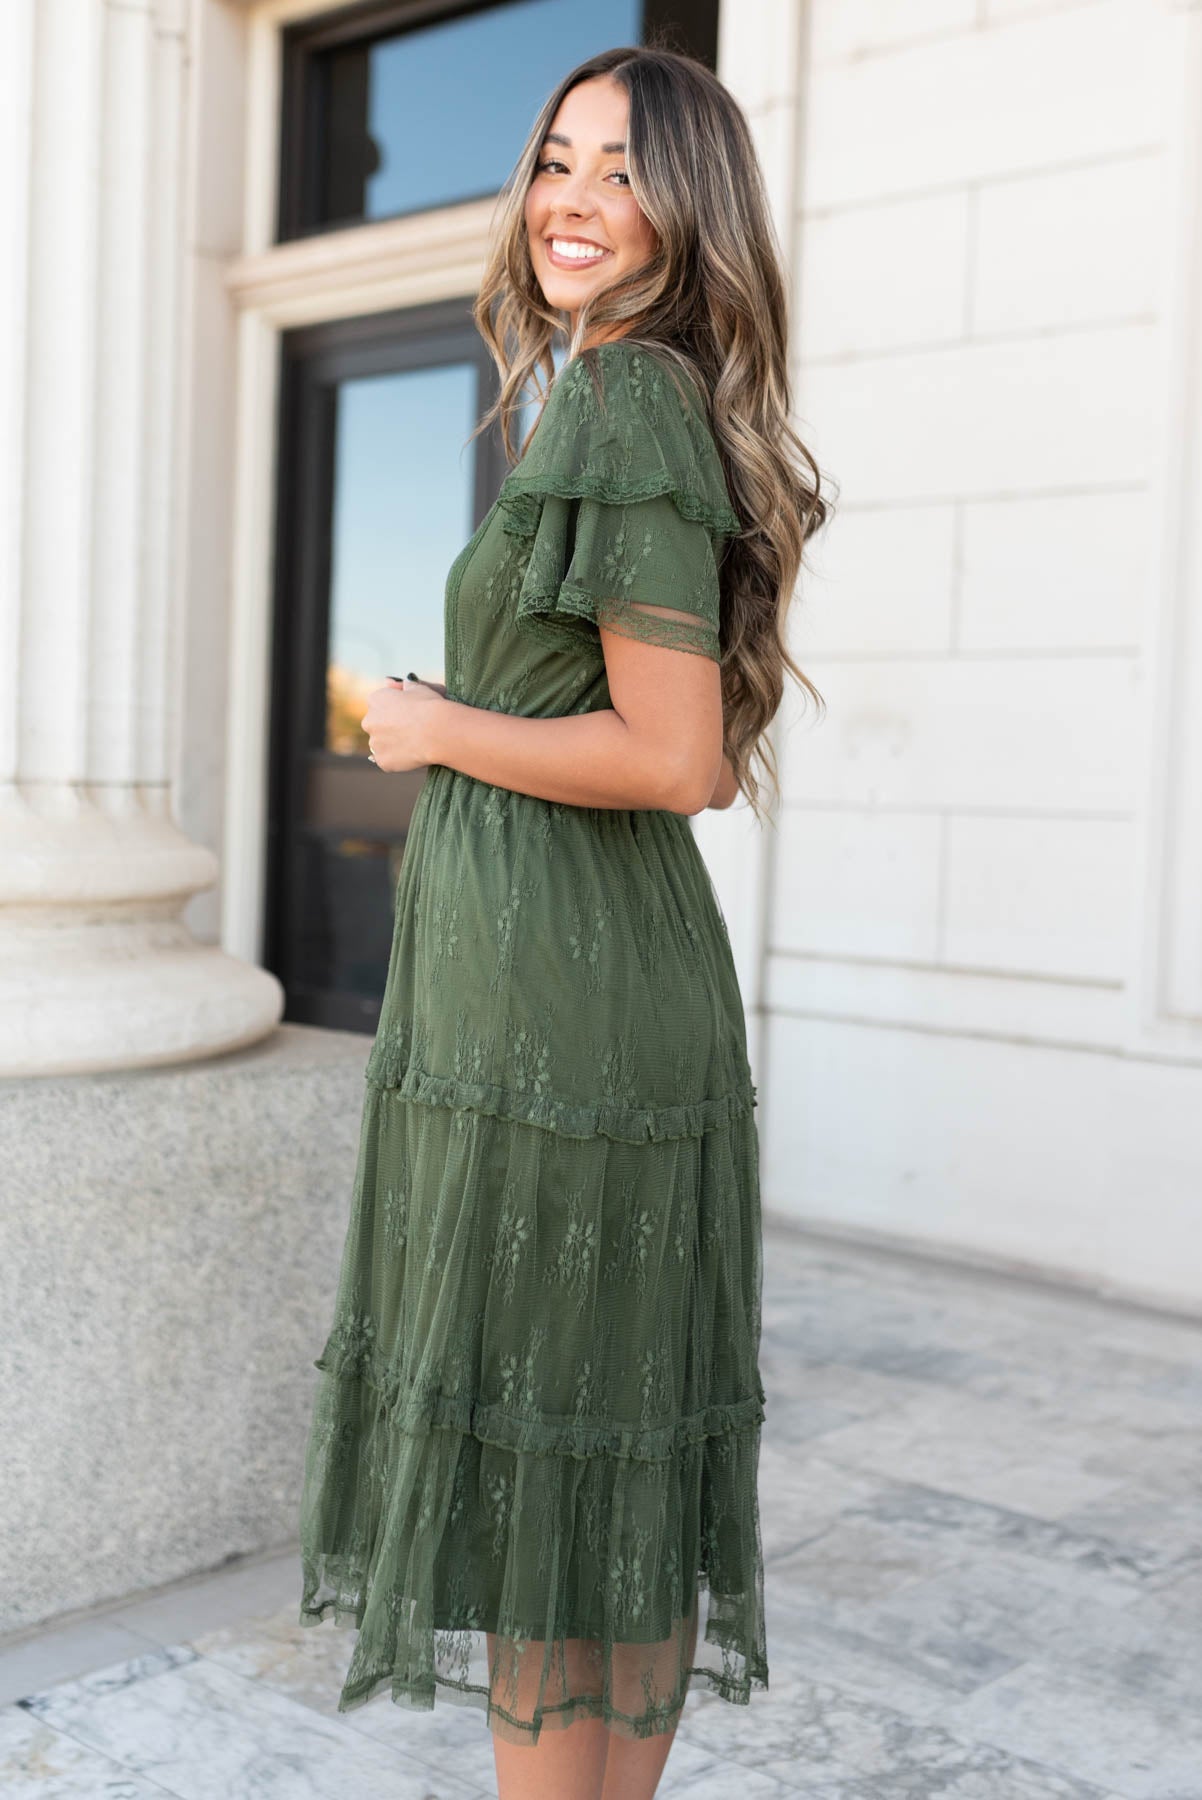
(436, 114)
(402, 510)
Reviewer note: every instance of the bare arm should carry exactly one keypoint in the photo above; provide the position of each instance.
(659, 746)
(726, 789)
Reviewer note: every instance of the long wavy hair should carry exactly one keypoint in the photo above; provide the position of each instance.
(711, 299)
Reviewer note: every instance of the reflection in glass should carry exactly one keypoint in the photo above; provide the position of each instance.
(402, 511)
(346, 918)
(438, 113)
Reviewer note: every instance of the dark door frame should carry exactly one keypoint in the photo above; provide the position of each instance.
(314, 359)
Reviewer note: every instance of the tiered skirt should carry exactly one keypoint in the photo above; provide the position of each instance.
(531, 1480)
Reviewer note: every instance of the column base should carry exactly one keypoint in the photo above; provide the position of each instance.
(126, 996)
(97, 968)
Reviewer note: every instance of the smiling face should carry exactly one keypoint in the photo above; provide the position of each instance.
(585, 227)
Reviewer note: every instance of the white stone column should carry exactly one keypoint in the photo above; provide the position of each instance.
(97, 969)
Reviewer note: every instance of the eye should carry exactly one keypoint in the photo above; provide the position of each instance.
(553, 162)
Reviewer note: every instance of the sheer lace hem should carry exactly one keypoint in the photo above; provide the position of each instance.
(350, 1355)
(386, 1069)
(537, 1588)
(684, 631)
(650, 1720)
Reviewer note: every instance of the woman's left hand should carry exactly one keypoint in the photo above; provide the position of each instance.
(398, 723)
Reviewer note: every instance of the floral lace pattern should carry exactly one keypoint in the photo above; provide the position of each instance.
(531, 1474)
(623, 509)
(569, 1448)
(640, 569)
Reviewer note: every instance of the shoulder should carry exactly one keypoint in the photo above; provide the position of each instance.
(624, 423)
(633, 379)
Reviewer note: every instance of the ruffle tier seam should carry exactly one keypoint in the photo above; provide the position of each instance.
(418, 1414)
(600, 1118)
(521, 497)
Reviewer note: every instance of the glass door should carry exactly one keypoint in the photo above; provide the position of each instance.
(379, 490)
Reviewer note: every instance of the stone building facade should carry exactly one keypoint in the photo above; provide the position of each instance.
(971, 946)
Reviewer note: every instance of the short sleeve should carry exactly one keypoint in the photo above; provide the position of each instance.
(646, 572)
(623, 499)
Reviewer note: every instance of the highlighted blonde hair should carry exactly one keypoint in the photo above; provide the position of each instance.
(712, 299)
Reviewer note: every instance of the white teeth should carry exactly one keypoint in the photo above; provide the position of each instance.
(578, 252)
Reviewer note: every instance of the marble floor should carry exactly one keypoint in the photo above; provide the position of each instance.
(982, 1521)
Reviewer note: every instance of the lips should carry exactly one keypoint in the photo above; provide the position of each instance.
(574, 262)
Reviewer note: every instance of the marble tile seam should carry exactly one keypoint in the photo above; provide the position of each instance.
(228, 1736)
(111, 1611)
(52, 1745)
(46, 1660)
(916, 1504)
(134, 1781)
(352, 1721)
(830, 1719)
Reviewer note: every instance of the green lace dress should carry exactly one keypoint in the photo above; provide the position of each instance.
(531, 1479)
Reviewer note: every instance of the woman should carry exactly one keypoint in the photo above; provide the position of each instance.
(531, 1480)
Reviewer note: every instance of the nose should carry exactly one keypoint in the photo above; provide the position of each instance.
(572, 196)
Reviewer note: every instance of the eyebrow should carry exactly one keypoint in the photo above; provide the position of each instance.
(557, 137)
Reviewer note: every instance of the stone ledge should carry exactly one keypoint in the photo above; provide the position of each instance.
(169, 1248)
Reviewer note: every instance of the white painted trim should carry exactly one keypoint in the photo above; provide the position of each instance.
(368, 268)
(761, 60)
(250, 641)
(287, 12)
(264, 58)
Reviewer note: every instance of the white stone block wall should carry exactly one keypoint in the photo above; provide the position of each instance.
(971, 1035)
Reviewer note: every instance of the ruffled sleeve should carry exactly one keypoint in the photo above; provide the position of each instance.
(624, 501)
